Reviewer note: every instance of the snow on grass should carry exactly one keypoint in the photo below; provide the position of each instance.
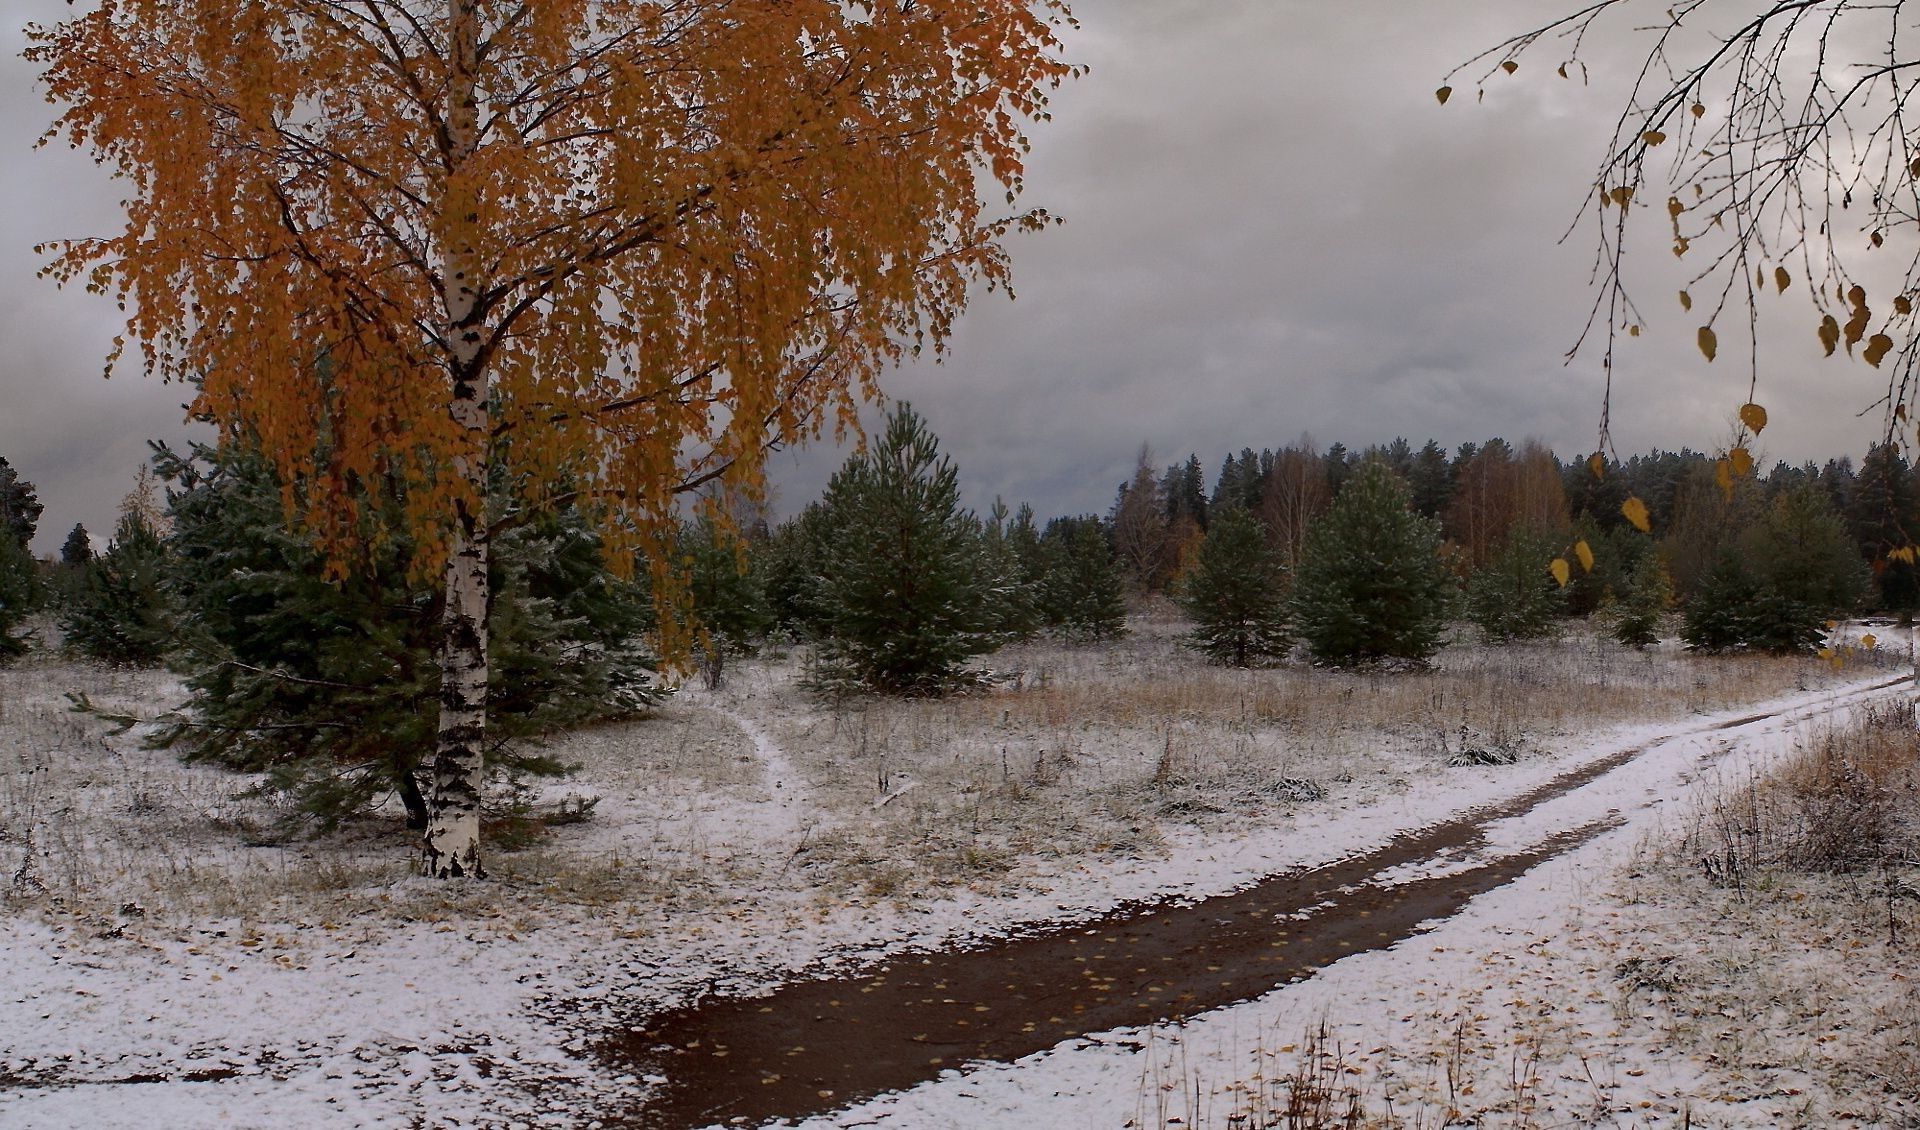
(189, 965)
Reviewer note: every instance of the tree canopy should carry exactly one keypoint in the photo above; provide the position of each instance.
(615, 248)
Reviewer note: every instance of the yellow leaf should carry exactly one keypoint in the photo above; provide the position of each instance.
(1597, 463)
(1443, 94)
(1856, 327)
(1635, 511)
(1699, 111)
(1674, 207)
(1709, 343)
(1561, 571)
(1857, 296)
(1686, 301)
(1583, 553)
(1826, 653)
(1782, 279)
(1742, 461)
(1902, 304)
(1754, 417)
(1829, 333)
(1878, 346)
(1509, 66)
(1653, 137)
(1869, 640)
(1633, 331)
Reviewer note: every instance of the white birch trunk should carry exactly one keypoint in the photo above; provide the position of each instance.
(452, 846)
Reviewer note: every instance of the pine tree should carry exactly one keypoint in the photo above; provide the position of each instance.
(1012, 592)
(19, 507)
(1773, 589)
(331, 686)
(1234, 594)
(728, 604)
(1515, 597)
(122, 613)
(1371, 584)
(1081, 592)
(1642, 603)
(1719, 615)
(901, 592)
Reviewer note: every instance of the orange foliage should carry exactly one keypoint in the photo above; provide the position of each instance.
(693, 229)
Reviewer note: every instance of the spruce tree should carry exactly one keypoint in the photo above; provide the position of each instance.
(122, 612)
(1371, 584)
(329, 686)
(901, 592)
(1082, 594)
(1515, 596)
(1234, 594)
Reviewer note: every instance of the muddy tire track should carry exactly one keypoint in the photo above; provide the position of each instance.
(815, 1046)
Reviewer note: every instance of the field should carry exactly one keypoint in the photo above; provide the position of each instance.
(171, 947)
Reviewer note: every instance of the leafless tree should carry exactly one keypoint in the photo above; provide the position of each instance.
(1772, 138)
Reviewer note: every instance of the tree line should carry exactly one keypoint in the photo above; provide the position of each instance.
(323, 680)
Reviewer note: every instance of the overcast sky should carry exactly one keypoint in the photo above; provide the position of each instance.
(1272, 228)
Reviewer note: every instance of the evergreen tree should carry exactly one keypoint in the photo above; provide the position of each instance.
(1515, 597)
(1720, 615)
(1642, 603)
(70, 572)
(121, 612)
(331, 686)
(1884, 515)
(1773, 589)
(19, 507)
(727, 596)
(1234, 594)
(790, 563)
(902, 597)
(1013, 592)
(1431, 480)
(1371, 584)
(19, 593)
(1081, 591)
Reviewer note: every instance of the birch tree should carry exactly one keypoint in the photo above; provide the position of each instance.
(613, 248)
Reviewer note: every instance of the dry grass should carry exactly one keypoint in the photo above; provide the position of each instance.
(1101, 752)
(1076, 753)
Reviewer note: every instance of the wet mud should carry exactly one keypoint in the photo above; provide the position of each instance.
(815, 1046)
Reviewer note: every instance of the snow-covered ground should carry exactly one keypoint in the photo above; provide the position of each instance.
(185, 967)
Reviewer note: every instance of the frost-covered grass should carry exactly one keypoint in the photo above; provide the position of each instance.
(156, 922)
(1749, 966)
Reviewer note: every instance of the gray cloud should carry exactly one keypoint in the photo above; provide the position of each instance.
(1272, 227)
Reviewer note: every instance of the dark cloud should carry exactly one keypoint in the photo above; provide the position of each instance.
(1272, 228)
